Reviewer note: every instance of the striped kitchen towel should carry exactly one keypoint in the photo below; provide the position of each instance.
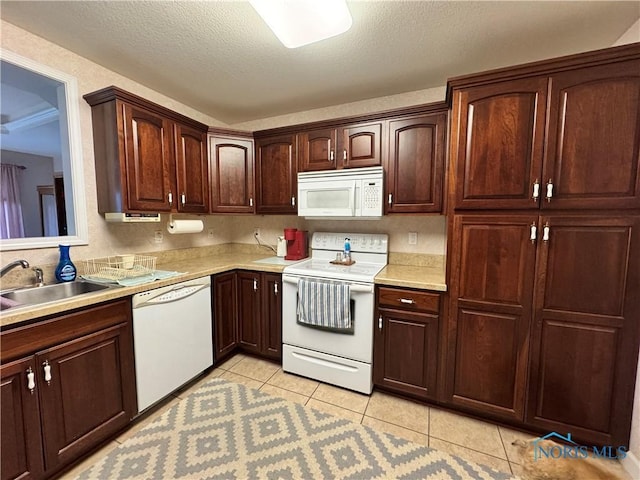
(324, 304)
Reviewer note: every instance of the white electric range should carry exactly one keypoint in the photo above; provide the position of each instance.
(338, 358)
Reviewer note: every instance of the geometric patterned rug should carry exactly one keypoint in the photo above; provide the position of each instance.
(225, 430)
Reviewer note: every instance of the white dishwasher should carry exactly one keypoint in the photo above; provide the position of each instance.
(172, 338)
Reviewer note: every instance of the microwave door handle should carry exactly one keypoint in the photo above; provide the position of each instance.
(353, 208)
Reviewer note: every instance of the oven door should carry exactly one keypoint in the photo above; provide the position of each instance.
(356, 346)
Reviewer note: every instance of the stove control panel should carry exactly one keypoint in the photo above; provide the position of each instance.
(360, 242)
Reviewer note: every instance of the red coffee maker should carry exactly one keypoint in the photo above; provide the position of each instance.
(297, 244)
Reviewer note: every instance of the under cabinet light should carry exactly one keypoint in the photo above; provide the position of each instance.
(300, 22)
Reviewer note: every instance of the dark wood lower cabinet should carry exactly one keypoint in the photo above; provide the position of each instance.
(72, 393)
(248, 314)
(586, 332)
(406, 342)
(225, 316)
(542, 328)
(22, 455)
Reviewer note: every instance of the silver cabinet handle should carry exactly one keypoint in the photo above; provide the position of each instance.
(183, 198)
(275, 288)
(255, 285)
(390, 198)
(536, 190)
(31, 380)
(408, 301)
(47, 372)
(332, 155)
(170, 198)
(534, 233)
(344, 155)
(380, 322)
(293, 201)
(251, 201)
(549, 190)
(545, 233)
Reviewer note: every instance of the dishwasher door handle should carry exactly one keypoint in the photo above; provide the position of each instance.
(175, 294)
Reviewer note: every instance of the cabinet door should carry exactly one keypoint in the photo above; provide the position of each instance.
(317, 150)
(497, 143)
(249, 325)
(593, 146)
(491, 301)
(586, 334)
(406, 353)
(361, 145)
(415, 166)
(192, 170)
(272, 315)
(276, 175)
(225, 319)
(149, 160)
(86, 399)
(231, 165)
(20, 416)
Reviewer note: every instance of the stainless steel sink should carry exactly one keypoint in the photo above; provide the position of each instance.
(49, 293)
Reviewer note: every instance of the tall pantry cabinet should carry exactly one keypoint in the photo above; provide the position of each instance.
(544, 262)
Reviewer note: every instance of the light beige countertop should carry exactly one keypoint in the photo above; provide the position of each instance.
(427, 275)
(413, 276)
(192, 268)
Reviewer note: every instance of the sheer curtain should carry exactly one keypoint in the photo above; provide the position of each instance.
(11, 224)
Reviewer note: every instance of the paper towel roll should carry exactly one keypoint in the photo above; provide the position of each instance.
(185, 226)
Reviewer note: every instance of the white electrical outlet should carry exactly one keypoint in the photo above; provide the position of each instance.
(413, 238)
(256, 232)
(157, 236)
(210, 233)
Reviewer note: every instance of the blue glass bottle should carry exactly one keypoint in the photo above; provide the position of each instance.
(66, 270)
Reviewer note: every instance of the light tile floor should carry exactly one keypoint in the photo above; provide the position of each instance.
(477, 441)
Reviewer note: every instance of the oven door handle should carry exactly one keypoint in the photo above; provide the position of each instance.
(353, 287)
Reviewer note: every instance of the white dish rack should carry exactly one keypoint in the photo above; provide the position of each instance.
(117, 267)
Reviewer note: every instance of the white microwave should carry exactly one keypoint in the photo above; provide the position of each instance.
(352, 193)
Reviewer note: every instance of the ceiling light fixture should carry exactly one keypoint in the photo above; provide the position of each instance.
(300, 22)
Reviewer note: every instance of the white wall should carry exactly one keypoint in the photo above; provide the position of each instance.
(632, 462)
(630, 36)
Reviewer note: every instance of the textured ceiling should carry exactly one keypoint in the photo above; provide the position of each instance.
(221, 59)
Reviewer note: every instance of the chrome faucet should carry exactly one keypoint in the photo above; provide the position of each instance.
(7, 268)
(39, 276)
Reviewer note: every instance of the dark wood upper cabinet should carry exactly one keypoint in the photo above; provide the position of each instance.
(192, 170)
(592, 155)
(415, 164)
(336, 147)
(276, 174)
(231, 166)
(317, 149)
(490, 312)
(147, 158)
(586, 333)
(360, 145)
(498, 143)
(586, 157)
